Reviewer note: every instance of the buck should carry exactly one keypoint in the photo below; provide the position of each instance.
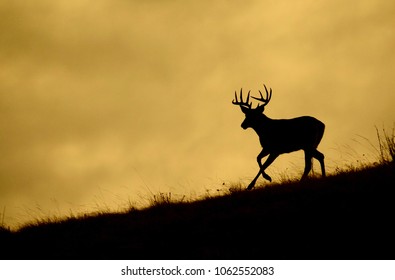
(279, 136)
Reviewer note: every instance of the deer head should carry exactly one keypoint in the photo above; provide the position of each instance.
(252, 115)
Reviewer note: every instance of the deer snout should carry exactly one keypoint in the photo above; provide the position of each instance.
(244, 124)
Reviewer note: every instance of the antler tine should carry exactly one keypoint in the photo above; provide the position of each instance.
(235, 101)
(268, 95)
(261, 98)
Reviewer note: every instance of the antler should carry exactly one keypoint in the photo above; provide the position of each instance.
(241, 102)
(264, 100)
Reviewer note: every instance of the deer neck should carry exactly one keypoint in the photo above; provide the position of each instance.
(262, 126)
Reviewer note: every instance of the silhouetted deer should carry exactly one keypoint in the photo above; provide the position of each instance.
(281, 136)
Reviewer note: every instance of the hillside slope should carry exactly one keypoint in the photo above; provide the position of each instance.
(347, 216)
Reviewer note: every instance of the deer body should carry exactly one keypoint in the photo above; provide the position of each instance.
(288, 135)
(279, 136)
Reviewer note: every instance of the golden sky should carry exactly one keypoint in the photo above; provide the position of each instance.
(103, 102)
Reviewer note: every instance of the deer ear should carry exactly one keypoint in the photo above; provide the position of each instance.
(244, 109)
(260, 109)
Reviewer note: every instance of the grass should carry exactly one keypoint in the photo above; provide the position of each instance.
(165, 198)
(386, 145)
(347, 215)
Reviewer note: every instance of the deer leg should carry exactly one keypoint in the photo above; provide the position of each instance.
(307, 158)
(261, 155)
(320, 157)
(262, 168)
(269, 161)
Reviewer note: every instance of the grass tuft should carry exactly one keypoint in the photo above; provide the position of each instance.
(386, 145)
(165, 198)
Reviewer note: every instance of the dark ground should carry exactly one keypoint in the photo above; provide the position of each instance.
(345, 216)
